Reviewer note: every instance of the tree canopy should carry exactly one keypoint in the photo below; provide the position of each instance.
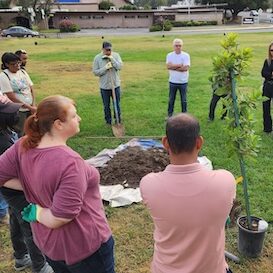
(237, 6)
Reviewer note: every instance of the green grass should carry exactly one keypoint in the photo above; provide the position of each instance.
(63, 66)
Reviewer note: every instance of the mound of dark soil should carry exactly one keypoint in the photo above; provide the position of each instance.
(130, 165)
(127, 167)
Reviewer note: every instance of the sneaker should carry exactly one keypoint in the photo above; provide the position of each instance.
(46, 269)
(23, 263)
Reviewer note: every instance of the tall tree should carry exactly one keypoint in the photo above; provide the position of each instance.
(270, 4)
(237, 5)
(151, 3)
(4, 4)
(40, 7)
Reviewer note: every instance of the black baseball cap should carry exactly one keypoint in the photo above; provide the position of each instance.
(106, 45)
(10, 107)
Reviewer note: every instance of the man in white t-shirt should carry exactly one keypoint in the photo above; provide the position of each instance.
(178, 63)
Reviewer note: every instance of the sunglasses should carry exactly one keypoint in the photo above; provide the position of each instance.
(271, 49)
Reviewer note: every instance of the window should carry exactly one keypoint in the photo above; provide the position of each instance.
(98, 17)
(142, 16)
(85, 17)
(67, 1)
(129, 16)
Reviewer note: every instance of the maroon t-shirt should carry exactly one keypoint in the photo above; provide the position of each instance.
(59, 179)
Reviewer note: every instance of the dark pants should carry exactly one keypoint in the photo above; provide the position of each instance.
(106, 95)
(102, 261)
(173, 87)
(267, 116)
(20, 231)
(215, 98)
(19, 127)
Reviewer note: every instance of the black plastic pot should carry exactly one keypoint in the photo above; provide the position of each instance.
(250, 242)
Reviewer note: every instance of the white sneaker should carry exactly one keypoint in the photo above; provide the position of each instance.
(23, 263)
(46, 269)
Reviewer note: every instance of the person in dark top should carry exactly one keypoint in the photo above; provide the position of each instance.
(214, 100)
(267, 74)
(26, 253)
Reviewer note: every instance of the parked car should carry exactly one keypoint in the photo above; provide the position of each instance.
(18, 31)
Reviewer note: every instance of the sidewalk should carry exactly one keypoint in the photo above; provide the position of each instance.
(177, 30)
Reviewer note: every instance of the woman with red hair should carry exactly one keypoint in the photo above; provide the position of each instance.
(66, 210)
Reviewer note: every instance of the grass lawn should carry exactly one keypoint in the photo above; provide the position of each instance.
(63, 66)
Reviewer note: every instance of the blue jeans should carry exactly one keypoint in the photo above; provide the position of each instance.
(102, 261)
(173, 87)
(106, 95)
(20, 230)
(3, 206)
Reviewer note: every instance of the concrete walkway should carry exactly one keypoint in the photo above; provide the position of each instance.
(181, 30)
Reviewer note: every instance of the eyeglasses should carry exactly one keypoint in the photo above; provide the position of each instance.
(14, 64)
(177, 45)
(108, 49)
(271, 49)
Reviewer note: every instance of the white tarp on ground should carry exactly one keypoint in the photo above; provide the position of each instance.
(117, 195)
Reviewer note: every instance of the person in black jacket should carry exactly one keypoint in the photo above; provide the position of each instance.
(267, 74)
(26, 253)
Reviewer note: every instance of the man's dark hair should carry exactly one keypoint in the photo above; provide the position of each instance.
(182, 132)
(7, 58)
(19, 52)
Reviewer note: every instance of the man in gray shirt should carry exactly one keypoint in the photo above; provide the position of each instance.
(106, 66)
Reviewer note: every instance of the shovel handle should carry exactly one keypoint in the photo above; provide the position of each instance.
(114, 96)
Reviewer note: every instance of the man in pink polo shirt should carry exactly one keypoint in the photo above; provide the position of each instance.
(189, 205)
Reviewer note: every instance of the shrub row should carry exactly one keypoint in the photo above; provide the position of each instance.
(160, 26)
(169, 24)
(193, 23)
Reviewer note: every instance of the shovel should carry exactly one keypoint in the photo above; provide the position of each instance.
(118, 128)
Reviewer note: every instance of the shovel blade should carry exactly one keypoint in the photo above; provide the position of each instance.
(118, 130)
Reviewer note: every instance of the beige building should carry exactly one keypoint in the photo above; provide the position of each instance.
(10, 17)
(85, 13)
(132, 19)
(106, 19)
(86, 5)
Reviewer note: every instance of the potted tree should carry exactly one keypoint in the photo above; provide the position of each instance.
(228, 67)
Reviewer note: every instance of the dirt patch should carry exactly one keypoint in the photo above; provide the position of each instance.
(235, 212)
(70, 67)
(127, 167)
